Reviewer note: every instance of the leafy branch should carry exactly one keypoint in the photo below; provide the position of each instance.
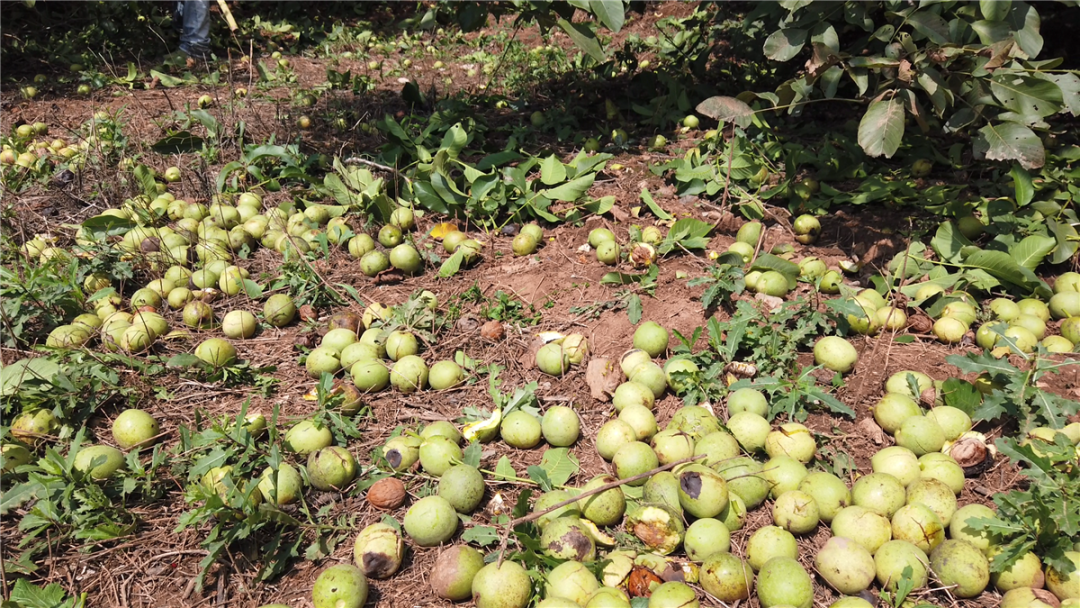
(1015, 392)
(1042, 517)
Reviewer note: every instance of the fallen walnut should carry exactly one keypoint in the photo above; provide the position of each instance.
(387, 493)
(684, 572)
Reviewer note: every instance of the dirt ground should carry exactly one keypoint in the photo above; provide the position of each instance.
(157, 566)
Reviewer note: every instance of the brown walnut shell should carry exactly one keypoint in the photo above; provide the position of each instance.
(387, 493)
(492, 330)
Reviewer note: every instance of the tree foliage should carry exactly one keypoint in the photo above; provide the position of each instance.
(951, 67)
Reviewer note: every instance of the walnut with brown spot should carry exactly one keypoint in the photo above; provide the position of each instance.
(387, 494)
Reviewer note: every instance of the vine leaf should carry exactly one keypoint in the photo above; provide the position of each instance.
(571, 190)
(552, 171)
(1070, 90)
(1031, 251)
(1031, 98)
(727, 109)
(882, 128)
(472, 455)
(541, 478)
(1003, 267)
(1009, 141)
(653, 206)
(768, 261)
(948, 242)
(1067, 244)
(481, 535)
(452, 264)
(993, 10)
(560, 465)
(930, 25)
(609, 12)
(505, 470)
(785, 44)
(584, 38)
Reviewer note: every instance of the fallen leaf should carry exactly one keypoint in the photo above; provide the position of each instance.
(603, 377)
(771, 302)
(468, 324)
(868, 428)
(390, 275)
(528, 359)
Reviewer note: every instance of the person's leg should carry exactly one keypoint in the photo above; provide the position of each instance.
(178, 17)
(195, 38)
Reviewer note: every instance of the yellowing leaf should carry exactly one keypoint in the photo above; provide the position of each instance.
(443, 229)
